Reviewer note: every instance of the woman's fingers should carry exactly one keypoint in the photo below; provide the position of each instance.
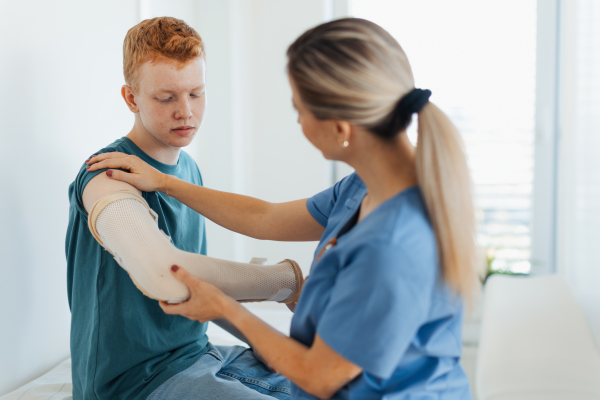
(122, 176)
(104, 156)
(181, 308)
(184, 277)
(121, 162)
(173, 309)
(205, 299)
(141, 175)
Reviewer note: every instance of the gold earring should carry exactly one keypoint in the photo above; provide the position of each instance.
(344, 144)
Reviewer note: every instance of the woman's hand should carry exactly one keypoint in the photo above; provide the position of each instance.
(141, 175)
(206, 301)
(203, 304)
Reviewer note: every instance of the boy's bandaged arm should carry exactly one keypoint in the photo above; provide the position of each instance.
(123, 223)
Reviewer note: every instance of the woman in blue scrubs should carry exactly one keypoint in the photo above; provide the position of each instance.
(380, 314)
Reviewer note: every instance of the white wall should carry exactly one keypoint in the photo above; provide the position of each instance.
(250, 142)
(275, 162)
(60, 77)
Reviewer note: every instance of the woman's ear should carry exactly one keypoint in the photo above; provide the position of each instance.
(129, 98)
(343, 131)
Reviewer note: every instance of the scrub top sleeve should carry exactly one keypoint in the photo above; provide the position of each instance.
(321, 204)
(378, 302)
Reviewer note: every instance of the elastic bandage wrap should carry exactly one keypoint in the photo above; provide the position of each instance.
(124, 224)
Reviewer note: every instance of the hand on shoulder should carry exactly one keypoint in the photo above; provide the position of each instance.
(141, 175)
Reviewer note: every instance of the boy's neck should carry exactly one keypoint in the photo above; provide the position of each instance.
(154, 148)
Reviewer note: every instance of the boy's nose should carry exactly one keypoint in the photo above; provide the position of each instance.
(183, 111)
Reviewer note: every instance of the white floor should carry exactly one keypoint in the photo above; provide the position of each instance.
(278, 316)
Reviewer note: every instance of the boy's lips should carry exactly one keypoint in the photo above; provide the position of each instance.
(183, 130)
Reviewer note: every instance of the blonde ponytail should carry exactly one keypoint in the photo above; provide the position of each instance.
(445, 183)
(354, 70)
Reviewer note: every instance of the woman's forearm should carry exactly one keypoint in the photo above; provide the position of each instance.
(284, 354)
(231, 329)
(318, 369)
(238, 213)
(249, 216)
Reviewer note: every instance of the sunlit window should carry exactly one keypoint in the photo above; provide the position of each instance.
(478, 59)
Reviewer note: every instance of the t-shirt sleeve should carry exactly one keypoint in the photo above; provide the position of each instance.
(200, 180)
(83, 178)
(321, 204)
(379, 300)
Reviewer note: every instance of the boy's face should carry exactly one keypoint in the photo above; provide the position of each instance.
(171, 100)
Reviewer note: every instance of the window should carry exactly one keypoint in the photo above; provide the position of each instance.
(580, 165)
(479, 60)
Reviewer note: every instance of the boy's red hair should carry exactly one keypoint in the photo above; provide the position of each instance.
(156, 38)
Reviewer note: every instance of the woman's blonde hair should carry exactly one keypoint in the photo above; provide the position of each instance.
(354, 70)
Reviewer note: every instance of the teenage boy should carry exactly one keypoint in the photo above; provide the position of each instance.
(122, 344)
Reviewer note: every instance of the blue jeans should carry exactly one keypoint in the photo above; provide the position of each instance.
(227, 373)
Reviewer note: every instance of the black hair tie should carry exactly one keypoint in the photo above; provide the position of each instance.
(410, 103)
(413, 101)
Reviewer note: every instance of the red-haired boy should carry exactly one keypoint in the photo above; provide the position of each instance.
(122, 345)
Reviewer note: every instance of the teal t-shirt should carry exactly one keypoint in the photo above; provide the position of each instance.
(123, 346)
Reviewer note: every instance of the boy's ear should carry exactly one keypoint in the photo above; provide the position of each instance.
(129, 98)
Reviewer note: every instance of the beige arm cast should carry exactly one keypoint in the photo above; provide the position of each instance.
(123, 223)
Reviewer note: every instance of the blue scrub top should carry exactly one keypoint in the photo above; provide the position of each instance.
(378, 298)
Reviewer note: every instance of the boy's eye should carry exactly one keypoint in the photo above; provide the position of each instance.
(165, 99)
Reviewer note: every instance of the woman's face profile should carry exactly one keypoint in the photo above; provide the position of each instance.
(320, 134)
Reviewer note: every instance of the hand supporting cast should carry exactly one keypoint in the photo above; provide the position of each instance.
(206, 301)
(317, 369)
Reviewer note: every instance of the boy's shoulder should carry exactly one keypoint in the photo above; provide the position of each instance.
(187, 169)
(121, 145)
(84, 176)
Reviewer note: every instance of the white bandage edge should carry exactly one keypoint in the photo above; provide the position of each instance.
(283, 296)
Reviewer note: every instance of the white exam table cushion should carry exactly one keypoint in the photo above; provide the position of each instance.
(535, 343)
(55, 385)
